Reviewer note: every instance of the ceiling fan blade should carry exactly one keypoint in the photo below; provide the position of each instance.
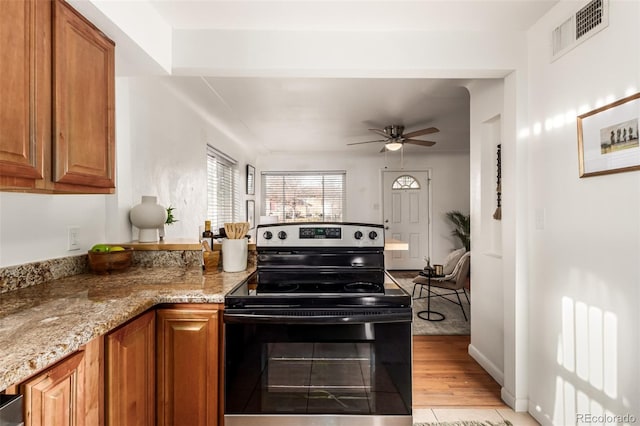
(358, 143)
(421, 132)
(419, 142)
(380, 132)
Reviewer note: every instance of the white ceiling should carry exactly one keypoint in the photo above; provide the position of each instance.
(358, 15)
(324, 114)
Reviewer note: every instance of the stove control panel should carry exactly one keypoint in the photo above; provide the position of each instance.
(319, 234)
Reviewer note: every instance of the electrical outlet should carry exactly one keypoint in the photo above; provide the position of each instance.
(73, 241)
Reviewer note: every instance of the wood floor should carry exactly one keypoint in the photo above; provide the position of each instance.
(444, 375)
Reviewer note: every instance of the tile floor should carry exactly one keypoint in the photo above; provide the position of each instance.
(480, 414)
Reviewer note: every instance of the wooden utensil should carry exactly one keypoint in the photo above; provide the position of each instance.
(236, 230)
(229, 230)
(241, 229)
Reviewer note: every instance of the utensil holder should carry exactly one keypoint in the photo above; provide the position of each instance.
(211, 260)
(234, 255)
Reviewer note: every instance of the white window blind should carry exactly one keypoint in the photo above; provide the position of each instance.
(304, 196)
(222, 188)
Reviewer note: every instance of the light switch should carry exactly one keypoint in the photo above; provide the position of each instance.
(73, 238)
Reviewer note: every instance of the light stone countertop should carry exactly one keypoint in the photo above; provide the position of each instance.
(42, 324)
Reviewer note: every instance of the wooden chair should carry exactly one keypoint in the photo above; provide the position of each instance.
(455, 282)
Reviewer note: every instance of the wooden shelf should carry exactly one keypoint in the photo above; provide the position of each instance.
(173, 244)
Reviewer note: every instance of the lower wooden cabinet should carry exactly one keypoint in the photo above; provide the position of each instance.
(68, 393)
(187, 362)
(161, 368)
(130, 373)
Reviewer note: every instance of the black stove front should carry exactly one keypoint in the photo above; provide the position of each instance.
(320, 335)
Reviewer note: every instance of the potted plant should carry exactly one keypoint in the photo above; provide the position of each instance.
(170, 217)
(462, 227)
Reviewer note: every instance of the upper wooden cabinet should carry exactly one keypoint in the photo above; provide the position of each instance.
(25, 106)
(84, 98)
(57, 120)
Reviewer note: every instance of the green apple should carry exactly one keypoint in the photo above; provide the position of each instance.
(100, 248)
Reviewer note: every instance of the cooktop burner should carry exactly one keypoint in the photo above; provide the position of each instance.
(360, 287)
(278, 288)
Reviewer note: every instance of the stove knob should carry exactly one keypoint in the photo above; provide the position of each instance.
(357, 235)
(373, 235)
(267, 235)
(282, 235)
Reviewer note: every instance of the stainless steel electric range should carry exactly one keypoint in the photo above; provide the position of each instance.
(320, 335)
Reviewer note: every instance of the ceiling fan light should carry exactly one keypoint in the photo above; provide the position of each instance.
(393, 146)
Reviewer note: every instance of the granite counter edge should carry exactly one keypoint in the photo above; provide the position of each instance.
(80, 334)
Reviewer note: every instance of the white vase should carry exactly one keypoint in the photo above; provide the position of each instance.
(149, 217)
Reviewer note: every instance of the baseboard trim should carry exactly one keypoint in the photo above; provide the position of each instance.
(484, 362)
(517, 404)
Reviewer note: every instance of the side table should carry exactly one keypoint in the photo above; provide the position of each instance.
(428, 314)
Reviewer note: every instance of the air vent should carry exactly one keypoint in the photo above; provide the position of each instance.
(584, 24)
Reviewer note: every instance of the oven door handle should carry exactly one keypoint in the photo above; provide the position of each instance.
(354, 318)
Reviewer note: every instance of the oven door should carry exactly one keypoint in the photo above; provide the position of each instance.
(300, 367)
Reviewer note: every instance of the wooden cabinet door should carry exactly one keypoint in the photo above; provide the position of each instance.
(130, 372)
(55, 397)
(187, 367)
(83, 99)
(25, 67)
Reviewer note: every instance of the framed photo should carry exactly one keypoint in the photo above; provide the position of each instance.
(251, 180)
(251, 213)
(608, 138)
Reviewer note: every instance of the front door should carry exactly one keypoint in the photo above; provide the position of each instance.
(406, 217)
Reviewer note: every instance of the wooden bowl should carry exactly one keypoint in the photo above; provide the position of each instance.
(106, 262)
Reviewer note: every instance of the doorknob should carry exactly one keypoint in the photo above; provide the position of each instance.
(386, 221)
(386, 227)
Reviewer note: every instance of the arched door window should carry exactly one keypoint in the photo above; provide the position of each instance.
(405, 182)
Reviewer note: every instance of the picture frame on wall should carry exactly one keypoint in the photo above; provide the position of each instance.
(251, 213)
(608, 139)
(251, 180)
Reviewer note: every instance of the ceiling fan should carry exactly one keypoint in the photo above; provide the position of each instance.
(394, 138)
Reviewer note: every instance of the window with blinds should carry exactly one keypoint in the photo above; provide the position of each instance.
(304, 196)
(222, 188)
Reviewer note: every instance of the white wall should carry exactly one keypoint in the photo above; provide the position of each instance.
(583, 234)
(487, 307)
(167, 127)
(34, 227)
(162, 128)
(449, 185)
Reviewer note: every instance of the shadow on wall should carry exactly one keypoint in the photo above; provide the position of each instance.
(587, 388)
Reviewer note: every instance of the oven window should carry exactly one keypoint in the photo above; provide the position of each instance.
(311, 369)
(318, 375)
